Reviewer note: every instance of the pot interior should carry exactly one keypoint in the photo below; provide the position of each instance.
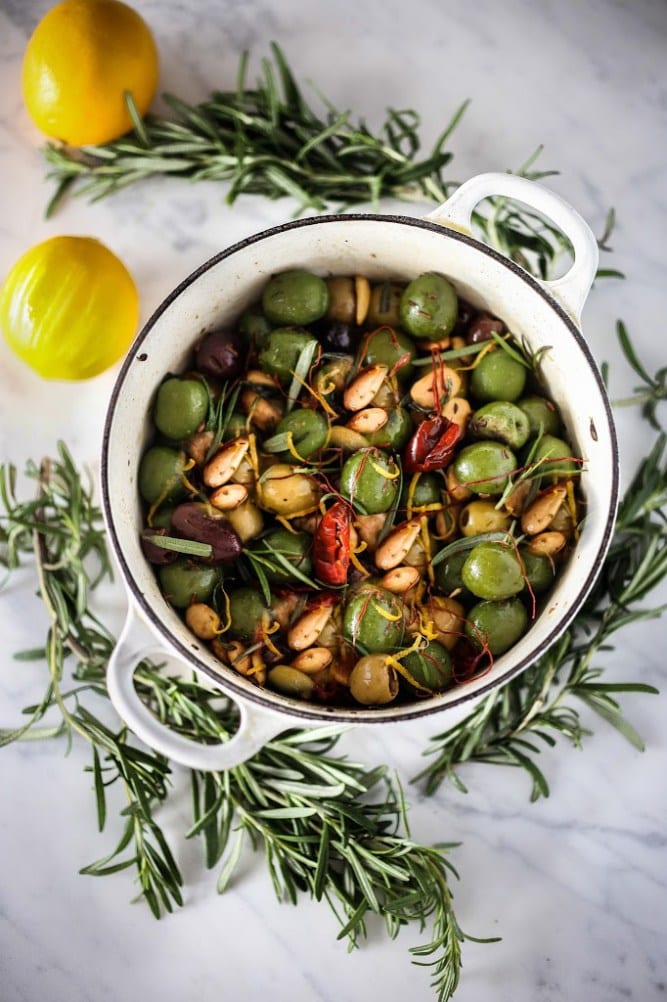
(378, 247)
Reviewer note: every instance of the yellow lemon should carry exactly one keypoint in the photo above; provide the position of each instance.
(81, 58)
(69, 308)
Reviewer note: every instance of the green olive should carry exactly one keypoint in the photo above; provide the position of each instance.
(496, 626)
(372, 682)
(502, 421)
(280, 352)
(248, 613)
(485, 467)
(392, 348)
(429, 306)
(493, 571)
(161, 474)
(290, 681)
(295, 297)
(373, 620)
(254, 326)
(180, 407)
(370, 479)
(395, 433)
(421, 490)
(385, 304)
(187, 580)
(448, 572)
(330, 378)
(553, 454)
(540, 571)
(309, 430)
(498, 376)
(431, 667)
(293, 547)
(542, 415)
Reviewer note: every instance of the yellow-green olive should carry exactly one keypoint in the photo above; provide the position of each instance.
(372, 682)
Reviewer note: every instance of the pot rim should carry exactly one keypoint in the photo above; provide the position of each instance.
(268, 698)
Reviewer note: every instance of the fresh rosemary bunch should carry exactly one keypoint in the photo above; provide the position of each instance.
(328, 827)
(512, 725)
(270, 141)
(267, 140)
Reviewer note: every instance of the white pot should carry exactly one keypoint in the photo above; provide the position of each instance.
(545, 313)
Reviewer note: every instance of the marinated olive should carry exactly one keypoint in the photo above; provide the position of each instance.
(429, 306)
(254, 326)
(370, 479)
(156, 554)
(281, 350)
(285, 492)
(293, 547)
(161, 474)
(448, 575)
(482, 327)
(342, 299)
(373, 682)
(290, 681)
(498, 376)
(187, 581)
(430, 667)
(554, 456)
(395, 433)
(496, 626)
(485, 467)
(502, 421)
(483, 516)
(421, 490)
(373, 620)
(493, 571)
(200, 522)
(248, 613)
(180, 407)
(295, 297)
(336, 336)
(219, 355)
(392, 348)
(385, 304)
(309, 430)
(542, 416)
(540, 571)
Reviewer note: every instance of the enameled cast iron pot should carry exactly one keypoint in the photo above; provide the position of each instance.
(545, 313)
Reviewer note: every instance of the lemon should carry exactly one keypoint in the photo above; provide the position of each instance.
(69, 308)
(81, 58)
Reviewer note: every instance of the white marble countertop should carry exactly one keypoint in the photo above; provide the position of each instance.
(576, 884)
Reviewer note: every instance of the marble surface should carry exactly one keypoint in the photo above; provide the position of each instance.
(574, 885)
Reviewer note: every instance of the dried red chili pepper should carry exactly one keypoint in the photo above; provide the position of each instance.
(331, 545)
(432, 445)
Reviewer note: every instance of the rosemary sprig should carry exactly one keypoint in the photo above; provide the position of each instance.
(653, 390)
(267, 140)
(328, 827)
(512, 725)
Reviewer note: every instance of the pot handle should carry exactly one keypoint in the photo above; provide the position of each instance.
(256, 727)
(572, 288)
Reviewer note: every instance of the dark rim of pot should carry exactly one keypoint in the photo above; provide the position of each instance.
(313, 711)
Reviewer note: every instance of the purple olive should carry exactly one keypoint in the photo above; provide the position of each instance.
(482, 326)
(153, 553)
(336, 336)
(193, 520)
(219, 355)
